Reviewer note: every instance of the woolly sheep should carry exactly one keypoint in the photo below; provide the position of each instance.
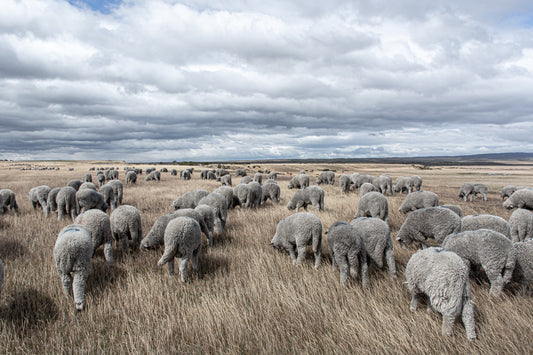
(240, 172)
(273, 175)
(209, 219)
(66, 202)
(38, 196)
(98, 224)
(131, 178)
(109, 195)
(73, 251)
(378, 242)
(402, 184)
(523, 271)
(455, 209)
(383, 183)
(203, 174)
(312, 195)
(211, 176)
(227, 192)
(51, 204)
(189, 199)
(359, 180)
(245, 180)
(118, 189)
(225, 180)
(300, 181)
(366, 188)
(88, 199)
(183, 240)
(490, 249)
(88, 185)
(345, 183)
(481, 189)
(295, 233)
(220, 210)
(173, 172)
(1, 277)
(9, 200)
(326, 177)
(486, 221)
(443, 276)
(466, 191)
(521, 224)
(348, 253)
(198, 217)
(258, 177)
(126, 224)
(221, 172)
(154, 176)
(240, 195)
(272, 192)
(185, 174)
(100, 177)
(419, 199)
(87, 177)
(414, 183)
(521, 199)
(507, 191)
(429, 222)
(75, 184)
(256, 194)
(163, 170)
(373, 204)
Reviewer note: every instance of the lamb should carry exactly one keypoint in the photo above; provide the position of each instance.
(490, 249)
(523, 271)
(73, 251)
(378, 242)
(1, 277)
(39, 196)
(486, 221)
(273, 175)
(9, 200)
(455, 209)
(131, 178)
(88, 199)
(481, 189)
(443, 276)
(183, 239)
(258, 177)
(109, 195)
(98, 224)
(521, 225)
(227, 192)
(87, 177)
(300, 181)
(373, 204)
(220, 210)
(51, 204)
(383, 183)
(118, 190)
(66, 202)
(272, 192)
(75, 184)
(88, 185)
(126, 224)
(295, 233)
(312, 195)
(466, 191)
(419, 199)
(429, 222)
(189, 199)
(347, 249)
(240, 172)
(366, 188)
(345, 183)
(326, 177)
(402, 184)
(521, 198)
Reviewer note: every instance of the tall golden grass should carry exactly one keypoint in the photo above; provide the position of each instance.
(247, 297)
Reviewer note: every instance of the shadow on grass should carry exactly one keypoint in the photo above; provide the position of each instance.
(11, 249)
(103, 278)
(211, 264)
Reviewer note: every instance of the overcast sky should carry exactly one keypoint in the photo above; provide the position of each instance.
(163, 80)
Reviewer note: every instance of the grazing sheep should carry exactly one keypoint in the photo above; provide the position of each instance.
(300, 181)
(51, 204)
(73, 251)
(225, 180)
(88, 199)
(523, 271)
(521, 224)
(490, 249)
(88, 185)
(507, 191)
(75, 184)
(359, 180)
(348, 253)
(383, 183)
(455, 209)
(430, 222)
(258, 177)
(486, 221)
(414, 183)
(419, 199)
(183, 239)
(221, 172)
(312, 195)
(185, 174)
(227, 192)
(100, 177)
(443, 276)
(211, 175)
(378, 242)
(295, 233)
(66, 202)
(131, 178)
(189, 199)
(155, 236)
(366, 188)
(87, 177)
(9, 200)
(240, 172)
(272, 192)
(109, 195)
(273, 175)
(245, 180)
(345, 183)
(466, 191)
(373, 204)
(481, 189)
(203, 174)
(118, 190)
(98, 224)
(240, 195)
(255, 194)
(218, 203)
(126, 224)
(154, 176)
(402, 184)
(326, 177)
(520, 198)
(209, 219)
(198, 217)
(173, 172)
(1, 277)
(39, 196)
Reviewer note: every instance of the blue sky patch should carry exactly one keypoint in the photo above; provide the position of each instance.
(103, 6)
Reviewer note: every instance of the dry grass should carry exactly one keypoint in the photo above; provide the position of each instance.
(247, 297)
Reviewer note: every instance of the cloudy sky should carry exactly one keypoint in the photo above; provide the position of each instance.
(164, 80)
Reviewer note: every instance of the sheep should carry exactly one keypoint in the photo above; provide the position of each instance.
(88, 185)
(521, 198)
(326, 177)
(414, 183)
(173, 172)
(345, 183)
(419, 199)
(206, 228)
(312, 195)
(225, 180)
(373, 204)
(443, 276)
(383, 183)
(51, 204)
(348, 253)
(211, 175)
(220, 210)
(154, 176)
(1, 277)
(366, 188)
(295, 233)
(481, 189)
(429, 222)
(245, 180)
(109, 195)
(100, 177)
(255, 194)
(273, 175)
(455, 209)
(38, 196)
(9, 200)
(240, 195)
(118, 190)
(221, 172)
(378, 242)
(466, 191)
(126, 224)
(359, 180)
(98, 224)
(203, 174)
(486, 221)
(240, 172)
(227, 192)
(75, 184)
(300, 181)
(87, 177)
(507, 191)
(523, 271)
(189, 199)
(209, 219)
(88, 199)
(131, 178)
(272, 192)
(163, 170)
(402, 184)
(66, 202)
(73, 251)
(258, 177)
(521, 225)
(185, 174)
(183, 239)
(490, 249)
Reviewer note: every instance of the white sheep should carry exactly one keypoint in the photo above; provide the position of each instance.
(39, 196)
(521, 224)
(126, 224)
(520, 199)
(9, 200)
(98, 224)
(1, 277)
(326, 177)
(51, 204)
(419, 199)
(220, 210)
(373, 204)
(523, 271)
(486, 221)
(66, 203)
(299, 181)
(87, 199)
(189, 199)
(312, 195)
(345, 183)
(366, 188)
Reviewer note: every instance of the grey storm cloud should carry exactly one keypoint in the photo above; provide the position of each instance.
(215, 80)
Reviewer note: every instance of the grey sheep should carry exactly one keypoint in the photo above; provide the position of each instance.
(300, 181)
(348, 253)
(255, 195)
(466, 191)
(443, 276)
(183, 239)
(100, 177)
(312, 195)
(245, 180)
(109, 195)
(240, 172)
(220, 210)
(295, 232)
(225, 180)
(366, 188)
(402, 184)
(227, 192)
(430, 222)
(118, 189)
(419, 199)
(87, 177)
(345, 183)
(131, 178)
(9, 200)
(221, 172)
(383, 183)
(521, 224)
(38, 196)
(173, 172)
(126, 224)
(455, 209)
(88, 185)
(98, 224)
(75, 184)
(523, 271)
(206, 228)
(359, 180)
(240, 195)
(482, 190)
(520, 199)
(189, 199)
(1, 278)
(507, 191)
(258, 177)
(373, 204)
(273, 175)
(73, 251)
(203, 174)
(211, 175)
(185, 174)
(486, 221)
(154, 176)
(88, 199)
(51, 204)
(209, 218)
(326, 177)
(414, 183)
(378, 242)
(489, 249)
(66, 202)
(272, 192)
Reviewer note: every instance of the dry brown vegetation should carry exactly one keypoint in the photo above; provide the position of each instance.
(247, 297)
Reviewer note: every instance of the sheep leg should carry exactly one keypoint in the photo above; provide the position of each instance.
(292, 253)
(468, 319)
(135, 237)
(496, 282)
(301, 254)
(333, 262)
(171, 267)
(342, 262)
(108, 252)
(415, 298)
(183, 263)
(447, 324)
(80, 277)
(66, 280)
(125, 243)
(195, 254)
(364, 269)
(391, 262)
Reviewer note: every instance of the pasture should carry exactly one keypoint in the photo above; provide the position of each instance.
(247, 297)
